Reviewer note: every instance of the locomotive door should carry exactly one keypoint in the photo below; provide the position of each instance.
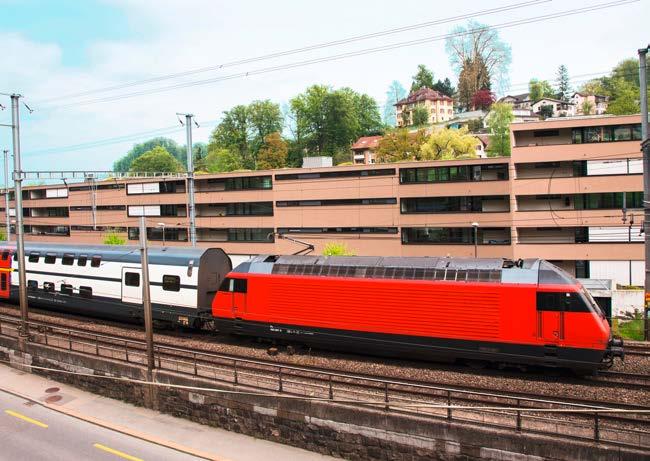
(5, 283)
(131, 288)
(239, 289)
(551, 326)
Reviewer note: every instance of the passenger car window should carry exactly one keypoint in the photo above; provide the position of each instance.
(33, 256)
(85, 292)
(82, 260)
(132, 279)
(32, 285)
(171, 283)
(96, 261)
(48, 286)
(66, 289)
(50, 258)
(67, 259)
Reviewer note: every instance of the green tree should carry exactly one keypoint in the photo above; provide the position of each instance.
(539, 89)
(448, 144)
(156, 160)
(400, 145)
(337, 249)
(420, 116)
(625, 99)
(273, 153)
(221, 160)
(563, 85)
(474, 77)
(200, 152)
(498, 122)
(394, 93)
(112, 237)
(445, 87)
(479, 45)
(3, 234)
(546, 111)
(123, 164)
(423, 78)
(587, 107)
(243, 128)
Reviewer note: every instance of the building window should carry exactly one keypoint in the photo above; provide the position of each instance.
(475, 204)
(132, 279)
(337, 202)
(607, 133)
(246, 183)
(249, 209)
(250, 235)
(455, 235)
(337, 230)
(171, 283)
(337, 174)
(66, 289)
(494, 172)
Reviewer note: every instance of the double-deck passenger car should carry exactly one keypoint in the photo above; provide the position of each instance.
(105, 280)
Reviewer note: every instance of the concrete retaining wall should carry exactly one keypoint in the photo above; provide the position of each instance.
(343, 431)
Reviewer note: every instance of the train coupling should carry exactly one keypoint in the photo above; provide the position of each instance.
(615, 349)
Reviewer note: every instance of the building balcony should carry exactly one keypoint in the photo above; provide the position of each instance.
(568, 151)
(571, 185)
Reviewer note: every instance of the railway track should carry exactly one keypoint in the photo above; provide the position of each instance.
(637, 349)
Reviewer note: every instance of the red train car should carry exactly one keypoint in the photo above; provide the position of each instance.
(525, 312)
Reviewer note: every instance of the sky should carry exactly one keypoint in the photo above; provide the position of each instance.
(51, 51)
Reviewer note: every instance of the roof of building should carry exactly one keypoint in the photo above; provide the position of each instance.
(553, 100)
(423, 94)
(366, 142)
(484, 138)
(517, 97)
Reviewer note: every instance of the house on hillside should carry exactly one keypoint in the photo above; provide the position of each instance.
(560, 108)
(439, 107)
(364, 150)
(598, 103)
(518, 101)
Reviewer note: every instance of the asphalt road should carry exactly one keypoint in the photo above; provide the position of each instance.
(31, 432)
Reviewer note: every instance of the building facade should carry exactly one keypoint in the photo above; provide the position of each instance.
(439, 107)
(571, 193)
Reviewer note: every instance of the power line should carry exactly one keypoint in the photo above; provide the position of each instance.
(302, 49)
(362, 52)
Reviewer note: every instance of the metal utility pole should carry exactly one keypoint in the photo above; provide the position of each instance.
(190, 178)
(20, 237)
(146, 297)
(7, 217)
(475, 226)
(645, 148)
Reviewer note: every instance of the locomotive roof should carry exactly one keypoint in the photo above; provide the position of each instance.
(172, 256)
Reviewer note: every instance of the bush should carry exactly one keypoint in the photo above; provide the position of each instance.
(337, 249)
(113, 238)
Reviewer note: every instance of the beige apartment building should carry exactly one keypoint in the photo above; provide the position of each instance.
(570, 193)
(440, 107)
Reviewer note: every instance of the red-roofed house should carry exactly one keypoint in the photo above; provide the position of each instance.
(439, 106)
(364, 149)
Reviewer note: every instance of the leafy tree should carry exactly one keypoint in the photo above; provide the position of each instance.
(546, 111)
(337, 249)
(273, 153)
(400, 145)
(587, 107)
(498, 122)
(221, 160)
(199, 152)
(448, 144)
(539, 89)
(423, 78)
(243, 128)
(474, 77)
(394, 93)
(328, 120)
(628, 70)
(563, 85)
(479, 45)
(483, 99)
(111, 237)
(3, 234)
(594, 87)
(625, 98)
(445, 87)
(156, 160)
(420, 116)
(124, 164)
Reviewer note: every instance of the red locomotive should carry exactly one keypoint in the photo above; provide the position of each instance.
(487, 310)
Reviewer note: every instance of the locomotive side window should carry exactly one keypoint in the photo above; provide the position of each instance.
(5, 255)
(95, 261)
(33, 256)
(67, 259)
(171, 283)
(3, 281)
(561, 302)
(48, 286)
(50, 258)
(240, 285)
(132, 279)
(82, 260)
(86, 292)
(226, 284)
(66, 289)
(32, 285)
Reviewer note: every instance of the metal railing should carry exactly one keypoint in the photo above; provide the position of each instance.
(517, 412)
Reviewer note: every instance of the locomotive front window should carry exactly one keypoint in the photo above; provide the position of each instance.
(561, 302)
(171, 283)
(132, 279)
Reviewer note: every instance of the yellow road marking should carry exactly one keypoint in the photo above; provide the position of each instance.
(26, 418)
(99, 446)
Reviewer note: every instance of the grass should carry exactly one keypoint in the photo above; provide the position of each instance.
(630, 330)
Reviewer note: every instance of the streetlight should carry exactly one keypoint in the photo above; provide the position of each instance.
(475, 226)
(162, 225)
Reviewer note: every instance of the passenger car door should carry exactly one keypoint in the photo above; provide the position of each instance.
(131, 285)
